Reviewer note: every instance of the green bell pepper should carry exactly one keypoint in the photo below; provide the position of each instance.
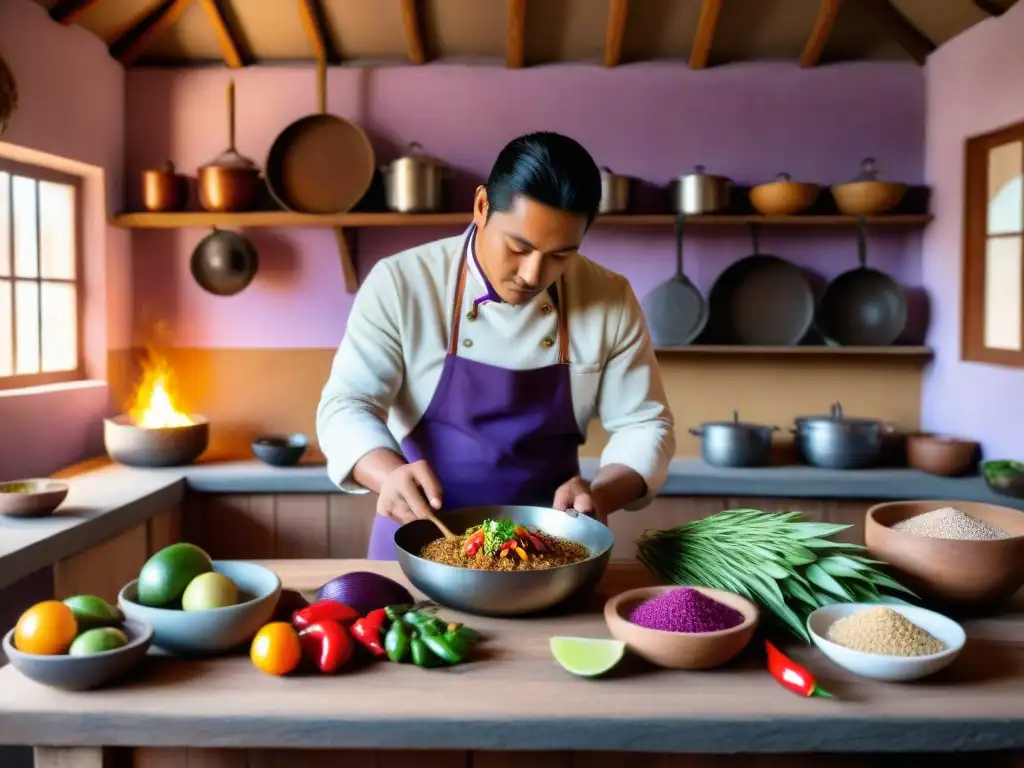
(396, 642)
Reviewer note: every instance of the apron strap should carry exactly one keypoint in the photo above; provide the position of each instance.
(460, 289)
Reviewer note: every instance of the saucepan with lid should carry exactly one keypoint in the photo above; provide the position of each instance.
(414, 182)
(837, 441)
(614, 192)
(734, 443)
(699, 192)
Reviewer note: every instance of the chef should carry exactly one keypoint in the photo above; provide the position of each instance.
(471, 366)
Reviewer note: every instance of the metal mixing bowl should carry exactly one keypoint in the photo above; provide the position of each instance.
(510, 593)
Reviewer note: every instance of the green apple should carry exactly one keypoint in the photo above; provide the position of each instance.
(209, 590)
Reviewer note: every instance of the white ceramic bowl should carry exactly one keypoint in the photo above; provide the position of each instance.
(878, 666)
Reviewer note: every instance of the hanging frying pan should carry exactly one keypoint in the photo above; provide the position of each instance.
(321, 163)
(761, 300)
(676, 311)
(863, 306)
(224, 263)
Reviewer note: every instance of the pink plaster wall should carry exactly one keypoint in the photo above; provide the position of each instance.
(71, 117)
(975, 84)
(652, 121)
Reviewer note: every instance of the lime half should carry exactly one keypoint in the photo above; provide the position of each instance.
(587, 656)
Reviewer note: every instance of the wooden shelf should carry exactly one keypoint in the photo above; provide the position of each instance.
(919, 353)
(372, 220)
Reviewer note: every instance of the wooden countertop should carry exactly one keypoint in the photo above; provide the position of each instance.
(519, 698)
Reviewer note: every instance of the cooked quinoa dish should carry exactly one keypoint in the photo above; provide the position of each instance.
(504, 545)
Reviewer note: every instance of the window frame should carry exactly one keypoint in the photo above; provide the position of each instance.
(42, 173)
(972, 312)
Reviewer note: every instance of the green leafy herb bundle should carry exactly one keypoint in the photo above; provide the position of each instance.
(787, 565)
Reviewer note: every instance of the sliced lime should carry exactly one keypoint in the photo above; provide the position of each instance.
(587, 656)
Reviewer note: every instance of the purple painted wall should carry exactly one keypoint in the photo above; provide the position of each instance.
(975, 84)
(652, 121)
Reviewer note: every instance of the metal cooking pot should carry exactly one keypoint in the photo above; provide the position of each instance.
(224, 263)
(614, 192)
(836, 442)
(733, 443)
(699, 192)
(413, 182)
(494, 593)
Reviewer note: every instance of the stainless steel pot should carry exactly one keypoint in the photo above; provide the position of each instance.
(614, 192)
(734, 443)
(498, 593)
(837, 442)
(699, 192)
(414, 182)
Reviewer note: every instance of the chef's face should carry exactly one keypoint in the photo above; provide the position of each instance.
(526, 249)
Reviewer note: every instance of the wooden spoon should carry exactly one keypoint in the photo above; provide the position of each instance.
(441, 526)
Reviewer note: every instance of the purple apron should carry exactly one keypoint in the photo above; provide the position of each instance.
(492, 435)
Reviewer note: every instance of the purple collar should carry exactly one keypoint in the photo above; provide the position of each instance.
(490, 294)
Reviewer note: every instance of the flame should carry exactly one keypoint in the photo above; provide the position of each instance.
(154, 405)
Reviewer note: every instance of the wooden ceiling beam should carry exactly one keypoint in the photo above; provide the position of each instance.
(222, 31)
(316, 32)
(820, 32)
(991, 7)
(706, 24)
(896, 25)
(67, 12)
(136, 41)
(615, 33)
(413, 32)
(515, 50)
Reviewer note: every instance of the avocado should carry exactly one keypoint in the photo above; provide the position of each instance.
(165, 575)
(92, 611)
(97, 641)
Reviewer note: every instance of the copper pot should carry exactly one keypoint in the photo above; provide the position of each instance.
(942, 455)
(164, 190)
(231, 182)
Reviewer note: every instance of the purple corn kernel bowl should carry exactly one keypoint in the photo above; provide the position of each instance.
(699, 628)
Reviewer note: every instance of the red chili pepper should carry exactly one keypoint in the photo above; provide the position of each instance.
(379, 617)
(328, 644)
(324, 610)
(791, 675)
(368, 634)
(474, 542)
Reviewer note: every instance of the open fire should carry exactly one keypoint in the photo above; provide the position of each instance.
(155, 404)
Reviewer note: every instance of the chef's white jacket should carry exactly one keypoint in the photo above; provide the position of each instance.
(389, 362)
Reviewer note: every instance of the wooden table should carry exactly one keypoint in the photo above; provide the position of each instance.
(220, 713)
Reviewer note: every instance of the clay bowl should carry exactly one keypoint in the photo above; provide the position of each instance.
(280, 450)
(964, 575)
(941, 454)
(135, 446)
(868, 198)
(32, 498)
(783, 197)
(80, 673)
(1005, 480)
(680, 650)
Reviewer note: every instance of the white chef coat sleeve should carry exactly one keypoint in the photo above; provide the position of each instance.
(632, 404)
(351, 419)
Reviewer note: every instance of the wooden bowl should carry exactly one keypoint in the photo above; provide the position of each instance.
(783, 197)
(680, 650)
(868, 198)
(941, 455)
(965, 574)
(32, 498)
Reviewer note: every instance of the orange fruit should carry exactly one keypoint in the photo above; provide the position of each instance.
(276, 649)
(47, 629)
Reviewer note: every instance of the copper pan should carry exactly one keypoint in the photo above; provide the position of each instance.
(321, 163)
(231, 182)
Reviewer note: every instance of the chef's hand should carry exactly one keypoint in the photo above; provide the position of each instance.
(408, 493)
(575, 497)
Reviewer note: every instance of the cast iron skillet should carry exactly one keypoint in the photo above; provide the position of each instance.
(863, 306)
(761, 300)
(224, 263)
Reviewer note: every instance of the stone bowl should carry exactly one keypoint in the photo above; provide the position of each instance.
(135, 446)
(213, 631)
(32, 498)
(80, 673)
(954, 573)
(280, 450)
(680, 650)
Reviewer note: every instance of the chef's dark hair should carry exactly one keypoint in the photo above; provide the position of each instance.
(547, 167)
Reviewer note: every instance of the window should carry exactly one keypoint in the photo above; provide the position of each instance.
(40, 270)
(993, 288)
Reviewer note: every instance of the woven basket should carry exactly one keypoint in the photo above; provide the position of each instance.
(8, 96)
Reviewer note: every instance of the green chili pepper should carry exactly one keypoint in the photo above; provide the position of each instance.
(396, 643)
(422, 656)
(417, 619)
(447, 647)
(431, 629)
(393, 612)
(457, 644)
(466, 633)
